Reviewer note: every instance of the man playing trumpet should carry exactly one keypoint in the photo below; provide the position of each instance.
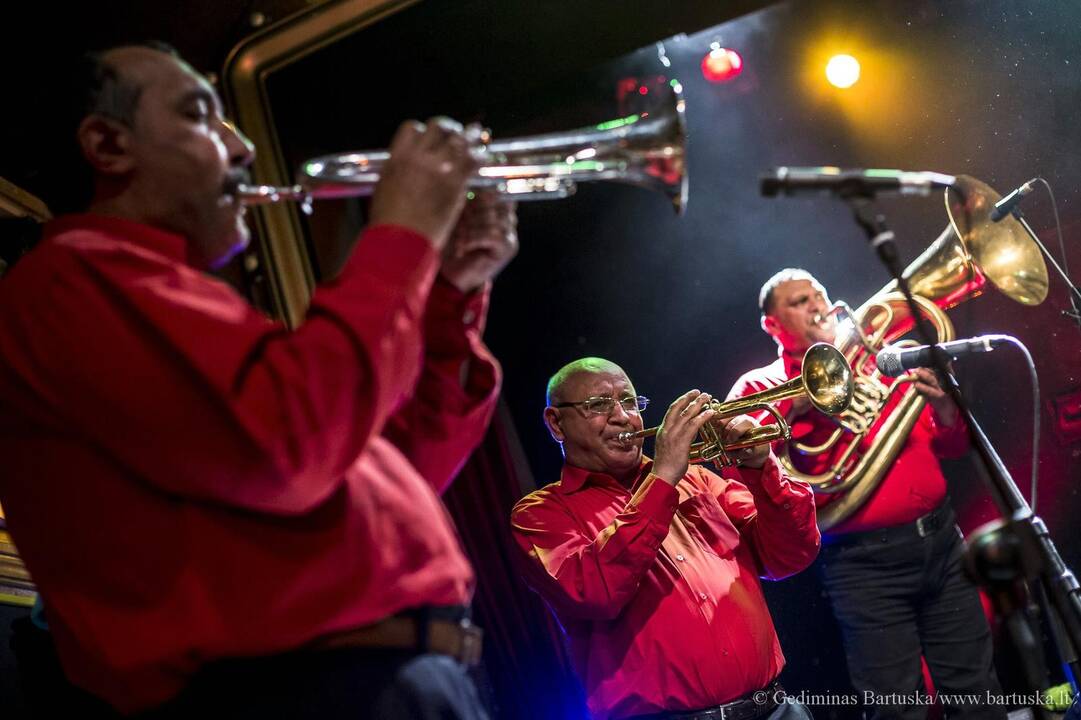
(652, 566)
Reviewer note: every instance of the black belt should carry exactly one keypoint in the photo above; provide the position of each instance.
(921, 527)
(749, 707)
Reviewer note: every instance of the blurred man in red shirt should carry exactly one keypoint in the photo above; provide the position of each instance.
(224, 516)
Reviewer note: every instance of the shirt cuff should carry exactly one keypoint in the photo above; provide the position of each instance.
(771, 481)
(949, 442)
(453, 317)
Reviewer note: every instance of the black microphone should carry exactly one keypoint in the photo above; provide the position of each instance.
(848, 183)
(1006, 205)
(893, 361)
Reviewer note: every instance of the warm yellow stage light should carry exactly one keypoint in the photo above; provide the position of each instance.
(843, 71)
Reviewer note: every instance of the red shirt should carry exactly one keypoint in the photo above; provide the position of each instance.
(188, 480)
(657, 587)
(913, 487)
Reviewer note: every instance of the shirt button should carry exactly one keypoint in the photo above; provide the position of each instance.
(787, 506)
(468, 316)
(702, 595)
(680, 558)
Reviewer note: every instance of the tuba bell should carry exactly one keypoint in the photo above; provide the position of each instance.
(647, 150)
(971, 252)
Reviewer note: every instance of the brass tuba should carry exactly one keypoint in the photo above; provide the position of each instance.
(970, 252)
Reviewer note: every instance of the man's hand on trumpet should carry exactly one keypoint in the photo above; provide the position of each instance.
(423, 183)
(482, 243)
(677, 431)
(734, 429)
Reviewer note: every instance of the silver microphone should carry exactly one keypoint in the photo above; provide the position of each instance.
(893, 361)
(793, 180)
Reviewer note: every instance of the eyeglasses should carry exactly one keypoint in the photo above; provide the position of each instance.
(632, 404)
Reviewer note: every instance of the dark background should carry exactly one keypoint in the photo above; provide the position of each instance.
(990, 89)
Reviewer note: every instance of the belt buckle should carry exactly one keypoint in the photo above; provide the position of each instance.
(472, 643)
(925, 525)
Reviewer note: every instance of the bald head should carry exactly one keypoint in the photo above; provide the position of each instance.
(558, 383)
(590, 439)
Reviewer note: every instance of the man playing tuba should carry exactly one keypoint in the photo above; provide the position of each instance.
(892, 567)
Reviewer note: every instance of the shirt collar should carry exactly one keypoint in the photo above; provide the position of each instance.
(171, 245)
(574, 478)
(793, 362)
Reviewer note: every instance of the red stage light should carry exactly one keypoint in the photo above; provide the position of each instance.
(721, 64)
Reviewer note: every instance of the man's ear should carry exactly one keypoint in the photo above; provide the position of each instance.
(551, 421)
(770, 325)
(106, 145)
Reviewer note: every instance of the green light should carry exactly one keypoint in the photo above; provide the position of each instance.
(470, 195)
(673, 82)
(618, 122)
(587, 165)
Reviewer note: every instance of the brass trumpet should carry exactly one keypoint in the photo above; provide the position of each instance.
(646, 150)
(826, 380)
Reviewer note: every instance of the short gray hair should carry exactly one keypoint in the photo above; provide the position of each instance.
(765, 295)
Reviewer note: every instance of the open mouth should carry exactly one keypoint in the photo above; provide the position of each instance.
(231, 186)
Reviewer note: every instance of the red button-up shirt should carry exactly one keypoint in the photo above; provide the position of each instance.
(188, 480)
(657, 587)
(913, 487)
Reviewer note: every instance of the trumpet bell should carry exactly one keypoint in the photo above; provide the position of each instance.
(827, 378)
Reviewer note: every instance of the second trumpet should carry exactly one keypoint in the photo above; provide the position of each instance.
(826, 380)
(647, 150)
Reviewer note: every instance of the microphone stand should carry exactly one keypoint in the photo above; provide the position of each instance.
(1037, 555)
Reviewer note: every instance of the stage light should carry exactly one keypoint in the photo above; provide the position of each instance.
(721, 64)
(843, 71)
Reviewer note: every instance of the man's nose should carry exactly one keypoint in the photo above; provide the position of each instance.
(619, 415)
(241, 149)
